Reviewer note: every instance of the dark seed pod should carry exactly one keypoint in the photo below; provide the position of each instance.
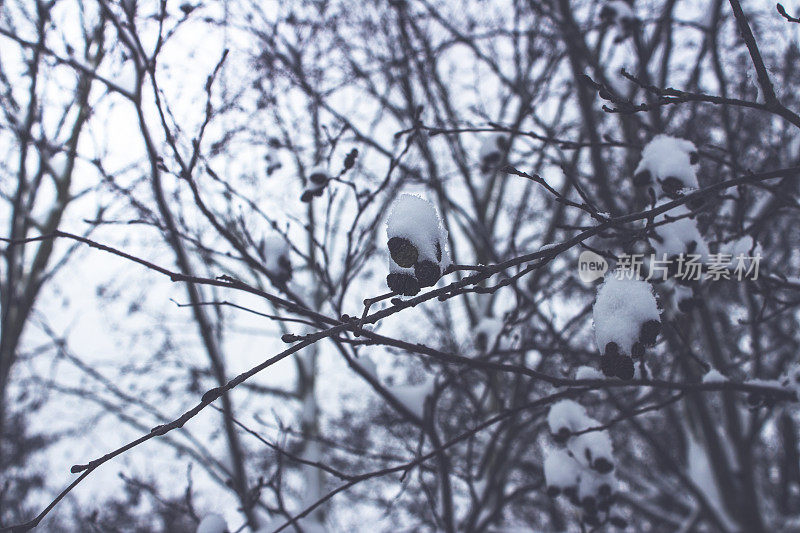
(562, 435)
(307, 195)
(648, 332)
(671, 186)
(402, 283)
(608, 365)
(637, 350)
(607, 14)
(640, 179)
(350, 160)
(572, 494)
(553, 491)
(438, 251)
(604, 491)
(603, 465)
(624, 368)
(695, 204)
(427, 272)
(612, 349)
(403, 252)
(694, 158)
(589, 504)
(318, 177)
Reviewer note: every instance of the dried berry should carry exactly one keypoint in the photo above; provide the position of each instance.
(427, 272)
(671, 186)
(403, 252)
(624, 368)
(637, 350)
(640, 179)
(403, 283)
(608, 365)
(648, 333)
(603, 465)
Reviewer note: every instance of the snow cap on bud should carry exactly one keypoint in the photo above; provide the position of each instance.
(212, 523)
(561, 471)
(566, 417)
(274, 251)
(669, 161)
(594, 449)
(621, 307)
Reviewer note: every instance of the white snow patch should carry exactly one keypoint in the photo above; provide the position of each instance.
(714, 376)
(413, 396)
(569, 414)
(666, 156)
(621, 307)
(560, 469)
(212, 523)
(677, 236)
(588, 372)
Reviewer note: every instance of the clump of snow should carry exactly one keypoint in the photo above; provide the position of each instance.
(492, 149)
(714, 376)
(274, 251)
(413, 396)
(676, 237)
(588, 372)
(621, 307)
(417, 243)
(594, 449)
(212, 523)
(560, 470)
(568, 416)
(582, 470)
(415, 219)
(740, 250)
(668, 160)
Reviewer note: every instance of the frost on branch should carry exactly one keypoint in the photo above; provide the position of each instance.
(676, 233)
(669, 162)
(626, 320)
(212, 523)
(417, 245)
(492, 151)
(582, 471)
